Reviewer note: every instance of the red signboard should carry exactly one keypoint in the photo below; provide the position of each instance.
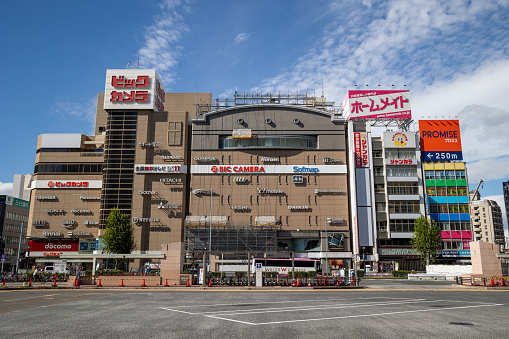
(440, 140)
(53, 245)
(361, 149)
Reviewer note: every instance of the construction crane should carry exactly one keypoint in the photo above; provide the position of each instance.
(471, 207)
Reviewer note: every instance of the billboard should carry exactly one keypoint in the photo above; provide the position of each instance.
(377, 104)
(399, 139)
(133, 89)
(440, 140)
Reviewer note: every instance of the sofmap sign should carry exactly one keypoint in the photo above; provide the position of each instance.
(440, 140)
(377, 104)
(268, 169)
(133, 89)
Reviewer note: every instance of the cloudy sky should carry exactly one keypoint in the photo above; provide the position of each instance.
(452, 55)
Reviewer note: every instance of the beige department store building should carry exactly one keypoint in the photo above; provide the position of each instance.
(276, 166)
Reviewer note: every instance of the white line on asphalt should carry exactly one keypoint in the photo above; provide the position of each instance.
(311, 307)
(372, 315)
(236, 321)
(171, 309)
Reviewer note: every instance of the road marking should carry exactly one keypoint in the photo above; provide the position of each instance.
(376, 314)
(310, 308)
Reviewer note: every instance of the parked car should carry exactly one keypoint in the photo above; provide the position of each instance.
(57, 269)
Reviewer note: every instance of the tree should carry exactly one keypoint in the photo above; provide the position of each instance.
(426, 240)
(119, 233)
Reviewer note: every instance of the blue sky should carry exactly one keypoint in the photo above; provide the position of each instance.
(452, 55)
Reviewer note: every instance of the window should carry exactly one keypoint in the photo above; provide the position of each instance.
(174, 133)
(403, 225)
(270, 142)
(399, 154)
(401, 171)
(404, 207)
(402, 188)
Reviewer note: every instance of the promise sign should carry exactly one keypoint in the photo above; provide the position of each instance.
(440, 140)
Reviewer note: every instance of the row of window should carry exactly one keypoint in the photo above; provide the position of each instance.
(11, 251)
(16, 216)
(440, 175)
(455, 208)
(274, 142)
(400, 154)
(404, 207)
(68, 150)
(68, 168)
(454, 225)
(14, 240)
(402, 188)
(14, 228)
(403, 225)
(401, 171)
(447, 192)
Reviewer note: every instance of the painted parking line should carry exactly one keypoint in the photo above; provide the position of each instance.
(228, 315)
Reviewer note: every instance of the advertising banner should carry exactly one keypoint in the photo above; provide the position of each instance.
(269, 169)
(58, 184)
(399, 139)
(440, 140)
(360, 140)
(52, 248)
(377, 104)
(157, 168)
(133, 89)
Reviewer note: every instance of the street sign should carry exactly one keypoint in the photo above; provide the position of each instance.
(436, 156)
(3, 257)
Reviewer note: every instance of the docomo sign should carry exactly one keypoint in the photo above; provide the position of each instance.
(133, 88)
(376, 104)
(53, 245)
(361, 149)
(55, 184)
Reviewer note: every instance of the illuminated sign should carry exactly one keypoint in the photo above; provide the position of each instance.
(269, 169)
(377, 104)
(153, 168)
(56, 184)
(266, 191)
(399, 139)
(360, 140)
(54, 211)
(45, 197)
(76, 211)
(171, 180)
(267, 159)
(133, 89)
(400, 161)
(240, 208)
(440, 140)
(137, 220)
(241, 134)
(149, 144)
(171, 157)
(90, 198)
(303, 207)
(205, 159)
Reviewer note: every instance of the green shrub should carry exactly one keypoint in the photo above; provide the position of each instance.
(401, 274)
(359, 273)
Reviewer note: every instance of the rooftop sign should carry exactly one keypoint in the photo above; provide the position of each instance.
(377, 104)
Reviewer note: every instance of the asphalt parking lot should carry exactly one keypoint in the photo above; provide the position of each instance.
(418, 311)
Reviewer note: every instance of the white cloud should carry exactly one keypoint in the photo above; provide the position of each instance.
(241, 37)
(79, 110)
(5, 188)
(161, 48)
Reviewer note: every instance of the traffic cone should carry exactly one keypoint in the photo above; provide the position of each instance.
(309, 283)
(210, 282)
(30, 283)
(298, 282)
(166, 283)
(3, 283)
(293, 283)
(492, 282)
(122, 283)
(77, 282)
(99, 283)
(143, 285)
(340, 282)
(55, 282)
(188, 283)
(327, 281)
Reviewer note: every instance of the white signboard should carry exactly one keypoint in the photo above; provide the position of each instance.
(61, 184)
(377, 104)
(159, 168)
(399, 139)
(259, 276)
(268, 169)
(133, 89)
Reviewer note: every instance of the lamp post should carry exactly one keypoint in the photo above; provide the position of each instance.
(327, 220)
(210, 232)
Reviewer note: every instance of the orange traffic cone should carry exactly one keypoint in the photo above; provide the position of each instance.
(309, 283)
(166, 283)
(298, 282)
(77, 282)
(3, 283)
(122, 283)
(492, 282)
(55, 282)
(210, 282)
(501, 282)
(293, 283)
(30, 283)
(143, 285)
(188, 283)
(99, 283)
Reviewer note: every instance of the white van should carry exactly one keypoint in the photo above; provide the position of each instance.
(57, 269)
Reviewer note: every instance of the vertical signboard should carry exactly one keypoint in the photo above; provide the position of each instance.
(377, 104)
(361, 149)
(259, 276)
(440, 140)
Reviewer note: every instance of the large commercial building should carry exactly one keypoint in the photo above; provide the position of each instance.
(487, 220)
(276, 167)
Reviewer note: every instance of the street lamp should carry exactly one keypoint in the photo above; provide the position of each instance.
(327, 220)
(210, 228)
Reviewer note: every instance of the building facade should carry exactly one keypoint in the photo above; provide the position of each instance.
(487, 220)
(13, 228)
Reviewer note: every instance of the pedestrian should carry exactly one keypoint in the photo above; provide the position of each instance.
(35, 275)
